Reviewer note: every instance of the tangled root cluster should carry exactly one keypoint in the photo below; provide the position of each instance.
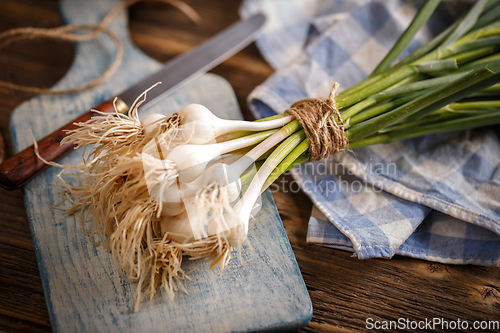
(115, 209)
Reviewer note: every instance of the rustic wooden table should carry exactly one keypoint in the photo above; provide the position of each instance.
(345, 291)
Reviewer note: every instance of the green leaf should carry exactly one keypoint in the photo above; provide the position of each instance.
(466, 24)
(427, 103)
(422, 16)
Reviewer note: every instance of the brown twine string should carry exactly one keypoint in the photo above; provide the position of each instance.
(70, 33)
(322, 124)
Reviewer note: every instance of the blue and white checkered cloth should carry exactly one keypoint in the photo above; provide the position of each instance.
(434, 198)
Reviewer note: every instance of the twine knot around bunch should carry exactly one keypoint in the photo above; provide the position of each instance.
(322, 123)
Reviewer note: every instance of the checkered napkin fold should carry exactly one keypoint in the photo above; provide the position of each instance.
(435, 198)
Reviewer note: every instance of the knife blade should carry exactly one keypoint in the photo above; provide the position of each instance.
(20, 168)
(187, 67)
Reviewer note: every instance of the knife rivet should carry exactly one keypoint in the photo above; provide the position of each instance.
(120, 105)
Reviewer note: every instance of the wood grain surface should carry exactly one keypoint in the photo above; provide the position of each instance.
(345, 291)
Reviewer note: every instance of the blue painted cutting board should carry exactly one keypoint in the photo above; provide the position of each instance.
(84, 293)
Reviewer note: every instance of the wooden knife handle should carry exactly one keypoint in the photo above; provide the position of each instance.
(20, 168)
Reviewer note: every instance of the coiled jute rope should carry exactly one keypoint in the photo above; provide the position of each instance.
(322, 123)
(72, 33)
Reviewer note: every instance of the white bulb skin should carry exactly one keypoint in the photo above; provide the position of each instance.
(222, 174)
(192, 112)
(174, 197)
(151, 121)
(178, 228)
(233, 190)
(189, 190)
(172, 203)
(172, 194)
(198, 124)
(218, 172)
(191, 160)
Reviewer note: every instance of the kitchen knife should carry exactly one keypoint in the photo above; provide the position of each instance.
(176, 73)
